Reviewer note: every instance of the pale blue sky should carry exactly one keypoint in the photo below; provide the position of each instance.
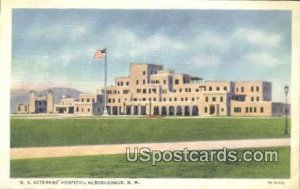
(55, 47)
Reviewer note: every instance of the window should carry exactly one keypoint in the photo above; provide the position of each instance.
(237, 109)
(175, 99)
(144, 91)
(218, 88)
(127, 83)
(181, 99)
(225, 88)
(252, 89)
(221, 99)
(206, 99)
(261, 109)
(213, 99)
(77, 109)
(210, 88)
(138, 90)
(247, 109)
(164, 99)
(180, 90)
(242, 89)
(144, 72)
(93, 100)
(170, 99)
(137, 82)
(176, 81)
(237, 89)
(252, 98)
(164, 81)
(186, 99)
(82, 100)
(19, 108)
(144, 82)
(250, 109)
(88, 110)
(193, 99)
(257, 98)
(205, 109)
(88, 100)
(257, 88)
(149, 91)
(254, 109)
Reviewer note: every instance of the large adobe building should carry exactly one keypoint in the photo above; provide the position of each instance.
(152, 90)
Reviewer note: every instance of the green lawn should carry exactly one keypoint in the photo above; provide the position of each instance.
(116, 166)
(61, 132)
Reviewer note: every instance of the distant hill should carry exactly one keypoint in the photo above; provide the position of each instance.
(20, 96)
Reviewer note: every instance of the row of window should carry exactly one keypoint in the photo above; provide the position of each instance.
(217, 88)
(248, 109)
(88, 100)
(213, 99)
(113, 92)
(121, 83)
(252, 98)
(144, 91)
(181, 99)
(82, 109)
(126, 91)
(206, 109)
(112, 100)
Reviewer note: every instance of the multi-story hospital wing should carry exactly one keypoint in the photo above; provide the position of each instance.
(152, 90)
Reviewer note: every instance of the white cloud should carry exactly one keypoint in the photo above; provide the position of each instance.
(214, 41)
(258, 37)
(133, 45)
(262, 58)
(59, 32)
(204, 60)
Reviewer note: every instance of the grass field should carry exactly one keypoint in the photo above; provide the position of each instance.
(116, 166)
(67, 132)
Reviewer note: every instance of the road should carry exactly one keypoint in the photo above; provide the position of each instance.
(67, 151)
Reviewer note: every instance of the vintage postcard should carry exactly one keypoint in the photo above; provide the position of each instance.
(140, 95)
